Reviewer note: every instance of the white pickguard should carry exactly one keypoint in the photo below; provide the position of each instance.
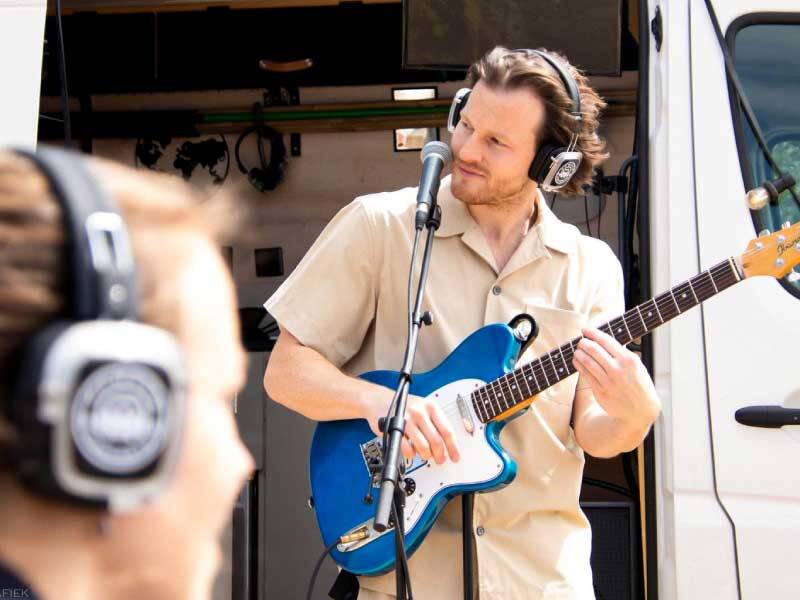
(478, 461)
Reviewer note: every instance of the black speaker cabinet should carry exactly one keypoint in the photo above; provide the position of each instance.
(614, 548)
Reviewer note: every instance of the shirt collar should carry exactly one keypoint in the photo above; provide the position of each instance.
(456, 220)
(555, 234)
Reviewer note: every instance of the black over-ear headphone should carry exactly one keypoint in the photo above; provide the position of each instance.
(99, 401)
(554, 164)
(267, 176)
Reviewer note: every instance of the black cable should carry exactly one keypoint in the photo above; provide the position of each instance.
(632, 291)
(553, 198)
(401, 546)
(744, 102)
(627, 164)
(311, 583)
(601, 206)
(62, 64)
(586, 212)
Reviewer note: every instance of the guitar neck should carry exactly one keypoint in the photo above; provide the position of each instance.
(514, 391)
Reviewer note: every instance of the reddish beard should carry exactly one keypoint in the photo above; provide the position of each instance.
(484, 190)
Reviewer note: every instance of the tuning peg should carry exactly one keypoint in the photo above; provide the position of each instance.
(764, 233)
(786, 225)
(793, 277)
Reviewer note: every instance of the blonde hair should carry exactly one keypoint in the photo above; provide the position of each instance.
(501, 68)
(162, 213)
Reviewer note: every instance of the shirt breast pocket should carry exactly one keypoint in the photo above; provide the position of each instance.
(557, 326)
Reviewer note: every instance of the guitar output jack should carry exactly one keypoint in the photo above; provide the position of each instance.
(411, 486)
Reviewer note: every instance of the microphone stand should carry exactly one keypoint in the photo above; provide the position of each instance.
(392, 489)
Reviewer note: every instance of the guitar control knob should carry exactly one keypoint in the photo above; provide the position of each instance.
(411, 486)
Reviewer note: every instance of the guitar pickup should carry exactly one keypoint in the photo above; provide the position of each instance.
(466, 416)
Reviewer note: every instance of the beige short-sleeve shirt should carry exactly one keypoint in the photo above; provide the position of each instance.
(348, 300)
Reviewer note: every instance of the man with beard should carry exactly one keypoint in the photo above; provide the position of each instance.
(499, 252)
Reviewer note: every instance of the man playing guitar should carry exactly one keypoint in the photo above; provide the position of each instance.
(499, 252)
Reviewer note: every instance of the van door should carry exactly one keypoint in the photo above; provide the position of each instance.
(750, 331)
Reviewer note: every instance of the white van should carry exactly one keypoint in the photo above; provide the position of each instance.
(708, 507)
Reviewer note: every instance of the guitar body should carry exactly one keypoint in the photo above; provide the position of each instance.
(340, 451)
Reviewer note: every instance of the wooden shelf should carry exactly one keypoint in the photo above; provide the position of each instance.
(153, 6)
(309, 118)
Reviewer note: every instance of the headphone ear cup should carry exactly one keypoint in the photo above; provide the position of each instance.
(31, 452)
(459, 102)
(266, 177)
(542, 161)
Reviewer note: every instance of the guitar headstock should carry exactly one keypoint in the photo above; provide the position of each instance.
(775, 254)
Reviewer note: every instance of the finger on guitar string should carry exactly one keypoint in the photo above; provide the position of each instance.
(421, 417)
(417, 439)
(608, 343)
(442, 423)
(584, 371)
(597, 354)
(407, 449)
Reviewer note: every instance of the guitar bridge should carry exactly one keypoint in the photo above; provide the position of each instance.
(372, 453)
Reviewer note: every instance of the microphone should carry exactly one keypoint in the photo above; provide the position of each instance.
(435, 157)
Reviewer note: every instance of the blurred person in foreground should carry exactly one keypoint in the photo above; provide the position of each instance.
(169, 547)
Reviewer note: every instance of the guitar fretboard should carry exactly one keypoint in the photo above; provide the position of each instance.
(499, 397)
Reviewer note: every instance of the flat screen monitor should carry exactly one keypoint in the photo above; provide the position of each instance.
(451, 34)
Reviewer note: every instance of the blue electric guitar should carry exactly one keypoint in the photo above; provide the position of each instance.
(479, 389)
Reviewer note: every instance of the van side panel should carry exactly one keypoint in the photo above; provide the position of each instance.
(21, 46)
(695, 541)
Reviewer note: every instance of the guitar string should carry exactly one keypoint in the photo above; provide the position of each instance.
(701, 283)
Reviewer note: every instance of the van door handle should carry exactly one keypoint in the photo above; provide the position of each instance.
(768, 416)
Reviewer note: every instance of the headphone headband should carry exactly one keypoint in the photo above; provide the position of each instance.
(566, 77)
(102, 267)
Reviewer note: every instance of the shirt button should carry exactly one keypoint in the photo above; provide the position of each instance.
(480, 530)
(496, 290)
